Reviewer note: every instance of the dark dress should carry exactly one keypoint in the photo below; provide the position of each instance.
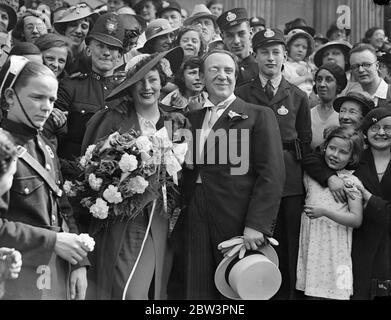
(118, 243)
(371, 248)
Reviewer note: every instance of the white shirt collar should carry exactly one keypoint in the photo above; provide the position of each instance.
(228, 101)
(275, 82)
(381, 91)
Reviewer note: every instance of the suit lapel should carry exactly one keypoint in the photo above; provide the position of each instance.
(258, 93)
(260, 96)
(281, 93)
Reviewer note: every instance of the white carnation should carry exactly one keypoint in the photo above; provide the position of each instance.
(87, 241)
(69, 188)
(100, 209)
(83, 161)
(112, 195)
(94, 182)
(89, 151)
(128, 163)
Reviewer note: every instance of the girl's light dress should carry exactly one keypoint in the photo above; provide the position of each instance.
(324, 265)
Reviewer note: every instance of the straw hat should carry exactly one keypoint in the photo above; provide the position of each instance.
(254, 277)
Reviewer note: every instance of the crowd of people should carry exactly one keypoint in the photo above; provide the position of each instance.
(312, 122)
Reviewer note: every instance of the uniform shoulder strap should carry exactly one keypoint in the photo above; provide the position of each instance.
(37, 167)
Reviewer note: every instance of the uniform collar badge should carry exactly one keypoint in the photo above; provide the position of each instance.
(231, 16)
(282, 111)
(269, 33)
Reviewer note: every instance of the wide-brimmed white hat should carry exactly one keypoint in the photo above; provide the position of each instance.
(254, 277)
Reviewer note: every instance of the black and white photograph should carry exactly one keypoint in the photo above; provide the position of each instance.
(195, 155)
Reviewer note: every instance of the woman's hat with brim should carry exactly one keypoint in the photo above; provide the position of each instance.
(200, 11)
(11, 15)
(156, 28)
(174, 56)
(343, 45)
(254, 277)
(297, 33)
(374, 116)
(363, 100)
(74, 13)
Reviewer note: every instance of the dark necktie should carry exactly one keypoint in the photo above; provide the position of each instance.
(269, 90)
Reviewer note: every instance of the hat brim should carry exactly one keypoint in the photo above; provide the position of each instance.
(174, 56)
(307, 36)
(307, 29)
(61, 24)
(146, 47)
(205, 15)
(340, 100)
(318, 57)
(12, 17)
(268, 43)
(106, 39)
(220, 280)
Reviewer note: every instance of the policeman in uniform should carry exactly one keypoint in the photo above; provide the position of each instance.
(33, 212)
(290, 106)
(235, 27)
(83, 96)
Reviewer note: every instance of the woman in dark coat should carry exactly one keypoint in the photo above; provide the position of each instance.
(371, 248)
(119, 242)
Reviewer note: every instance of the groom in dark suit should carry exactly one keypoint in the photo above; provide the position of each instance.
(237, 180)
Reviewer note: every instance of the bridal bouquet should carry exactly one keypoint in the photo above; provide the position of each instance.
(125, 172)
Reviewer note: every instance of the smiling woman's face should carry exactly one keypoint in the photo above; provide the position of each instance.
(77, 30)
(146, 92)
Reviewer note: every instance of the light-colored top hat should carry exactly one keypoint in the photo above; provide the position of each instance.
(254, 277)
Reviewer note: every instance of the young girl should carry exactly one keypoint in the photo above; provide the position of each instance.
(297, 70)
(190, 39)
(324, 266)
(190, 94)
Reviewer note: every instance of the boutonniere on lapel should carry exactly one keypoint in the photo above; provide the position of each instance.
(234, 116)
